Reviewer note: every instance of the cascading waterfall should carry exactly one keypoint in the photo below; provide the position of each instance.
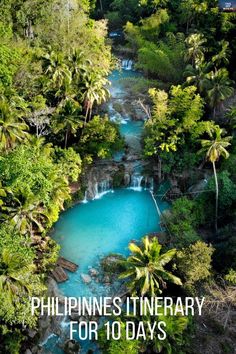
(102, 188)
(136, 181)
(85, 200)
(127, 64)
(116, 116)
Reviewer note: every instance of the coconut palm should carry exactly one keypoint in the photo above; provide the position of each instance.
(12, 130)
(214, 148)
(197, 75)
(195, 51)
(60, 191)
(68, 118)
(57, 70)
(94, 91)
(79, 64)
(25, 212)
(145, 268)
(222, 57)
(220, 88)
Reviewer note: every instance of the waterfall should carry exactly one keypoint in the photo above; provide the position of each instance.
(85, 200)
(151, 184)
(127, 64)
(102, 188)
(136, 181)
(115, 116)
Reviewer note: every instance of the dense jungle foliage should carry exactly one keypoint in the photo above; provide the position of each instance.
(55, 57)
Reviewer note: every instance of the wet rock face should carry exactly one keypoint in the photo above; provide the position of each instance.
(106, 175)
(71, 347)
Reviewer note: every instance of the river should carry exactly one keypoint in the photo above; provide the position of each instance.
(93, 229)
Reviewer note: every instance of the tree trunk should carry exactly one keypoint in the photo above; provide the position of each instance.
(101, 6)
(66, 137)
(217, 196)
(87, 112)
(214, 112)
(90, 112)
(159, 169)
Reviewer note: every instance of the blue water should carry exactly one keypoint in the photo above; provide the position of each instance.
(123, 74)
(87, 232)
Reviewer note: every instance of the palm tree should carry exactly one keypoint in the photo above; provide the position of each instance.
(15, 274)
(222, 57)
(220, 88)
(215, 148)
(57, 70)
(27, 215)
(94, 91)
(197, 75)
(78, 64)
(145, 268)
(12, 131)
(195, 51)
(68, 118)
(60, 191)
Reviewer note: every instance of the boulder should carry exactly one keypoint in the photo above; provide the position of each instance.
(71, 347)
(111, 264)
(28, 351)
(106, 279)
(32, 333)
(86, 278)
(93, 272)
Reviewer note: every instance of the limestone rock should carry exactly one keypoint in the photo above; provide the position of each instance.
(86, 278)
(93, 272)
(71, 347)
(28, 351)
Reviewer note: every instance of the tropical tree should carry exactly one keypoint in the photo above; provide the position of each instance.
(12, 130)
(215, 147)
(222, 57)
(220, 88)
(15, 273)
(68, 118)
(146, 268)
(19, 278)
(94, 91)
(58, 72)
(197, 75)
(175, 329)
(79, 64)
(60, 191)
(195, 51)
(27, 214)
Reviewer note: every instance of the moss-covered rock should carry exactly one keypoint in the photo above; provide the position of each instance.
(112, 264)
(118, 178)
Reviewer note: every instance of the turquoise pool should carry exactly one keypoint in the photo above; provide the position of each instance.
(89, 231)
